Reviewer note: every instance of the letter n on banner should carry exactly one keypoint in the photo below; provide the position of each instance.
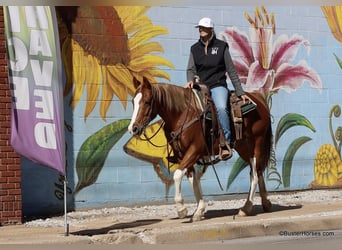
(35, 77)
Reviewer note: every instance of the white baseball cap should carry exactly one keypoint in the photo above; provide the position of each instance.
(205, 22)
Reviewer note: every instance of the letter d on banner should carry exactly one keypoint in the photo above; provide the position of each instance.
(35, 77)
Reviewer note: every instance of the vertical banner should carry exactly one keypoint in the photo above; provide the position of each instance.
(35, 77)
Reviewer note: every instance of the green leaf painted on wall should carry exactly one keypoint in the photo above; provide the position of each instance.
(288, 158)
(238, 166)
(338, 60)
(94, 151)
(290, 120)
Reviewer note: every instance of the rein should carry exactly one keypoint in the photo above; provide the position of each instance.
(148, 139)
(175, 134)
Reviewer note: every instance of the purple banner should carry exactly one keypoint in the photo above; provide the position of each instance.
(35, 76)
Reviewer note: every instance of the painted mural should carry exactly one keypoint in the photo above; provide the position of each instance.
(277, 51)
(103, 50)
(266, 66)
(328, 163)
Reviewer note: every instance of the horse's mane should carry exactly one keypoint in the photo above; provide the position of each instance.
(172, 97)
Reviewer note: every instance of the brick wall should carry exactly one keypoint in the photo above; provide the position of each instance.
(10, 170)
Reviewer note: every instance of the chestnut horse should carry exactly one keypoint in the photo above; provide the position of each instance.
(182, 117)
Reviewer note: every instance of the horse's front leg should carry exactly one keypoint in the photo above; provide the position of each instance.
(195, 182)
(177, 177)
(189, 159)
(247, 208)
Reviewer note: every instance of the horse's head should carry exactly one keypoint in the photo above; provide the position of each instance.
(142, 107)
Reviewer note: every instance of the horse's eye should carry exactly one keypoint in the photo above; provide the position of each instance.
(148, 103)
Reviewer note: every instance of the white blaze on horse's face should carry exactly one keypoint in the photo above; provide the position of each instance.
(136, 101)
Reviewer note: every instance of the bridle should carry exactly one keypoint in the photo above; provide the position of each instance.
(174, 134)
(147, 120)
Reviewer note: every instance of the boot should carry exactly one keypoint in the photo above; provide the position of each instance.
(225, 152)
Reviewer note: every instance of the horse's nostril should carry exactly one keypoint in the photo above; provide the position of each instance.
(135, 130)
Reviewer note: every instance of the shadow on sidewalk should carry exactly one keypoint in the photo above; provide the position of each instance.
(257, 209)
(106, 230)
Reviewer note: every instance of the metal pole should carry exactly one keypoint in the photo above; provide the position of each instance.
(66, 225)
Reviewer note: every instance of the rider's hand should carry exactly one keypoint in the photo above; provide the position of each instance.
(189, 84)
(245, 99)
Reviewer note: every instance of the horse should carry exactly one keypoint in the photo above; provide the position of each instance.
(183, 124)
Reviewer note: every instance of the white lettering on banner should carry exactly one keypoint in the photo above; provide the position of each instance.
(37, 24)
(21, 92)
(21, 56)
(45, 135)
(39, 43)
(34, 14)
(42, 77)
(45, 104)
(15, 18)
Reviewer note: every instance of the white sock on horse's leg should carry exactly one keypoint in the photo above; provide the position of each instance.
(177, 177)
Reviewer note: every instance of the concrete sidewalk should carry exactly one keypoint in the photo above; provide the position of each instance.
(307, 218)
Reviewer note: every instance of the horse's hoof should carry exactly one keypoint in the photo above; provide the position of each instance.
(182, 213)
(198, 216)
(267, 206)
(246, 209)
(242, 213)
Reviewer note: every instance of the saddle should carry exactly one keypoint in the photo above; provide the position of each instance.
(210, 122)
(236, 114)
(211, 125)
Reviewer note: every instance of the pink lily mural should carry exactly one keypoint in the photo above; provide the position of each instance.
(267, 64)
(264, 63)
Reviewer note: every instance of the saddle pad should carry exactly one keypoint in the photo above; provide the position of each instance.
(248, 107)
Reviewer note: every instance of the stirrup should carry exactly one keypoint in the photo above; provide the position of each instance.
(225, 152)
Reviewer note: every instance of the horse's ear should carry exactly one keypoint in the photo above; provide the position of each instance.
(136, 83)
(146, 82)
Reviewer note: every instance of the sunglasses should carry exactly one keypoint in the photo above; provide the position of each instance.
(203, 28)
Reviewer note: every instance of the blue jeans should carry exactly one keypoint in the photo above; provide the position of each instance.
(220, 97)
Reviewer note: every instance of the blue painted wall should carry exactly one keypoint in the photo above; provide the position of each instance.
(125, 180)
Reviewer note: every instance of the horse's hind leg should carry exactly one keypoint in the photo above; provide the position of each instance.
(195, 182)
(266, 204)
(181, 209)
(247, 208)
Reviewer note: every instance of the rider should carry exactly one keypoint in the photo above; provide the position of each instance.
(210, 60)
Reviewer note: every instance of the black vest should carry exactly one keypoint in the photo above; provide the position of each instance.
(210, 67)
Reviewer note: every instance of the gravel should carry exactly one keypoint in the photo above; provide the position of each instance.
(163, 211)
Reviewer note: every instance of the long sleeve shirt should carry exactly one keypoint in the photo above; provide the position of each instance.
(211, 63)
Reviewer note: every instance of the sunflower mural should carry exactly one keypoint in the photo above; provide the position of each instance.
(328, 163)
(153, 148)
(265, 65)
(103, 48)
(333, 14)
